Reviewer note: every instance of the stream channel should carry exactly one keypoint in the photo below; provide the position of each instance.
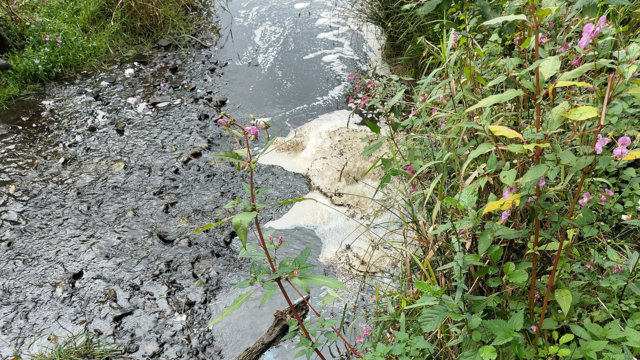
(104, 177)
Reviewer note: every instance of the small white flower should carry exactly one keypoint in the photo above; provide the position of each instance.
(626, 217)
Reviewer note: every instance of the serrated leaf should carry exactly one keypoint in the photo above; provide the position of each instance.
(488, 352)
(371, 148)
(502, 204)
(499, 130)
(237, 302)
(501, 19)
(432, 317)
(581, 113)
(240, 222)
(564, 299)
(632, 155)
(516, 322)
(497, 99)
(565, 84)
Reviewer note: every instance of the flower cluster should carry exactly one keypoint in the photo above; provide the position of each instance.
(590, 31)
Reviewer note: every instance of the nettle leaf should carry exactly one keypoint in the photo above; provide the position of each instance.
(499, 130)
(240, 222)
(235, 305)
(581, 113)
(502, 204)
(501, 19)
(497, 99)
(432, 317)
(564, 299)
(488, 352)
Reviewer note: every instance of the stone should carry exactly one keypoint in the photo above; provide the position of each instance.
(4, 65)
(164, 43)
(155, 100)
(119, 127)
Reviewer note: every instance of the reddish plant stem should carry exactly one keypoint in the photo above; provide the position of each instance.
(563, 233)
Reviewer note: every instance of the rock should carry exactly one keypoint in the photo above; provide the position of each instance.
(129, 72)
(4, 65)
(191, 87)
(131, 348)
(119, 127)
(220, 102)
(155, 100)
(92, 128)
(164, 43)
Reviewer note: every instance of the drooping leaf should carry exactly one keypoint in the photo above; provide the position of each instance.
(240, 222)
(502, 204)
(564, 299)
(235, 305)
(500, 130)
(632, 155)
(582, 113)
(497, 99)
(565, 84)
(480, 150)
(501, 19)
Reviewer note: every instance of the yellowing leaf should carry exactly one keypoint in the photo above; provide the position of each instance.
(571, 233)
(531, 147)
(499, 130)
(582, 113)
(502, 204)
(635, 91)
(632, 155)
(565, 84)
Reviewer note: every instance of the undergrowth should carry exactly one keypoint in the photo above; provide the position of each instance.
(516, 155)
(76, 347)
(57, 36)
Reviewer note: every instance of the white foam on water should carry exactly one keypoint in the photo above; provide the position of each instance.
(301, 5)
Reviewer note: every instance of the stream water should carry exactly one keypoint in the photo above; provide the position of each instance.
(104, 176)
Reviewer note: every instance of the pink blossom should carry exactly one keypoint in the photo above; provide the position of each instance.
(621, 151)
(410, 170)
(413, 113)
(508, 191)
(550, 24)
(251, 130)
(370, 85)
(223, 122)
(351, 100)
(590, 31)
(413, 189)
(296, 273)
(624, 141)
(635, 74)
(544, 38)
(364, 101)
(367, 331)
(47, 38)
(602, 21)
(279, 240)
(434, 111)
(625, 217)
(463, 231)
(576, 61)
(563, 48)
(585, 199)
(351, 77)
(608, 192)
(541, 182)
(358, 86)
(455, 36)
(505, 216)
(58, 41)
(516, 40)
(618, 269)
(603, 198)
(442, 124)
(533, 328)
(359, 339)
(602, 141)
(537, 297)
(589, 264)
(423, 98)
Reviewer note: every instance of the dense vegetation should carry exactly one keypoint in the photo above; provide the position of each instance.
(517, 139)
(48, 38)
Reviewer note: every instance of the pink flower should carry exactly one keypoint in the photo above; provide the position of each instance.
(625, 217)
(370, 85)
(620, 152)
(533, 328)
(563, 48)
(585, 199)
(359, 339)
(590, 31)
(413, 189)
(351, 77)
(603, 198)
(576, 61)
(618, 269)
(455, 36)
(434, 111)
(410, 170)
(516, 40)
(358, 86)
(423, 98)
(635, 73)
(463, 231)
(550, 24)
(47, 38)
(351, 100)
(589, 264)
(367, 331)
(296, 273)
(163, 85)
(602, 141)
(624, 141)
(442, 124)
(413, 113)
(251, 130)
(602, 21)
(58, 41)
(223, 122)
(508, 191)
(280, 240)
(541, 182)
(364, 101)
(537, 297)
(608, 192)
(505, 216)
(544, 38)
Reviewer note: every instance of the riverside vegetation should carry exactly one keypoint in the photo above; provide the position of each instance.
(514, 146)
(48, 38)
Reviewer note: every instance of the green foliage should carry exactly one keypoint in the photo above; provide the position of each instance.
(77, 347)
(501, 155)
(57, 36)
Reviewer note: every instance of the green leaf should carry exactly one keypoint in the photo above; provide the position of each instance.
(518, 277)
(497, 99)
(320, 280)
(480, 150)
(488, 352)
(581, 113)
(564, 298)
(373, 127)
(237, 302)
(371, 148)
(566, 338)
(230, 156)
(550, 66)
(428, 7)
(295, 200)
(516, 322)
(533, 174)
(431, 318)
(240, 222)
(486, 238)
(209, 226)
(501, 19)
(579, 331)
